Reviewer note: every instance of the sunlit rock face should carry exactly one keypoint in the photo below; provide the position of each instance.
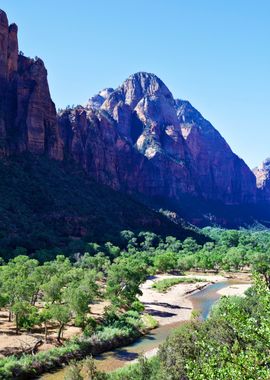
(27, 114)
(96, 101)
(262, 173)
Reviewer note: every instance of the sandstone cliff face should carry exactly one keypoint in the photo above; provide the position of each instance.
(144, 111)
(171, 149)
(27, 113)
(221, 174)
(91, 138)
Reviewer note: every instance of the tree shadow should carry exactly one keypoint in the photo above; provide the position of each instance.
(152, 277)
(126, 355)
(165, 304)
(119, 354)
(159, 313)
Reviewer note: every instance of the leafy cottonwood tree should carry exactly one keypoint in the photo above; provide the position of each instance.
(124, 279)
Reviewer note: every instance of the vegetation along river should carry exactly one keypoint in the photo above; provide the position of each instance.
(202, 301)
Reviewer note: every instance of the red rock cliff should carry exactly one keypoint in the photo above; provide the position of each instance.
(27, 113)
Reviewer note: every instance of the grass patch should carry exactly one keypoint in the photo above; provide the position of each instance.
(149, 322)
(144, 369)
(163, 285)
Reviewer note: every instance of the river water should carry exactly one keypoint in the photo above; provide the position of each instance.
(202, 301)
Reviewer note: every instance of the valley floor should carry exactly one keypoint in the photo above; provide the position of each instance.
(173, 306)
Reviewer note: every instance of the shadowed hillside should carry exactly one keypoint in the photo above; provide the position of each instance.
(46, 203)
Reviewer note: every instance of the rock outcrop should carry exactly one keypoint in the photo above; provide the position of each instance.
(262, 173)
(96, 101)
(27, 114)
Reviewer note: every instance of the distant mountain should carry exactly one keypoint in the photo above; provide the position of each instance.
(136, 139)
(140, 140)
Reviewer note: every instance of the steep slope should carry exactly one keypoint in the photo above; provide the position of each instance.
(119, 147)
(144, 111)
(140, 140)
(221, 174)
(46, 203)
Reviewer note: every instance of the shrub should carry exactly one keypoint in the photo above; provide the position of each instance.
(167, 283)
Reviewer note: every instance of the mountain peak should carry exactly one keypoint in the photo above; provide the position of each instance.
(141, 85)
(143, 75)
(3, 18)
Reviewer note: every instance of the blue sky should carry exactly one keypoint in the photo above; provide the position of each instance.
(214, 53)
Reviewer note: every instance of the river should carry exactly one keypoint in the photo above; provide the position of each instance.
(202, 301)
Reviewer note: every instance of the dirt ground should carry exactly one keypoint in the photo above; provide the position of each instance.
(10, 343)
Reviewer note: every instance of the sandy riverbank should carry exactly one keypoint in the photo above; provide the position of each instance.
(174, 305)
(234, 290)
(178, 296)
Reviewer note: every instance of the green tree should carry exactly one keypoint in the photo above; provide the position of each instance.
(26, 315)
(18, 283)
(124, 279)
(165, 262)
(62, 315)
(45, 316)
(261, 264)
